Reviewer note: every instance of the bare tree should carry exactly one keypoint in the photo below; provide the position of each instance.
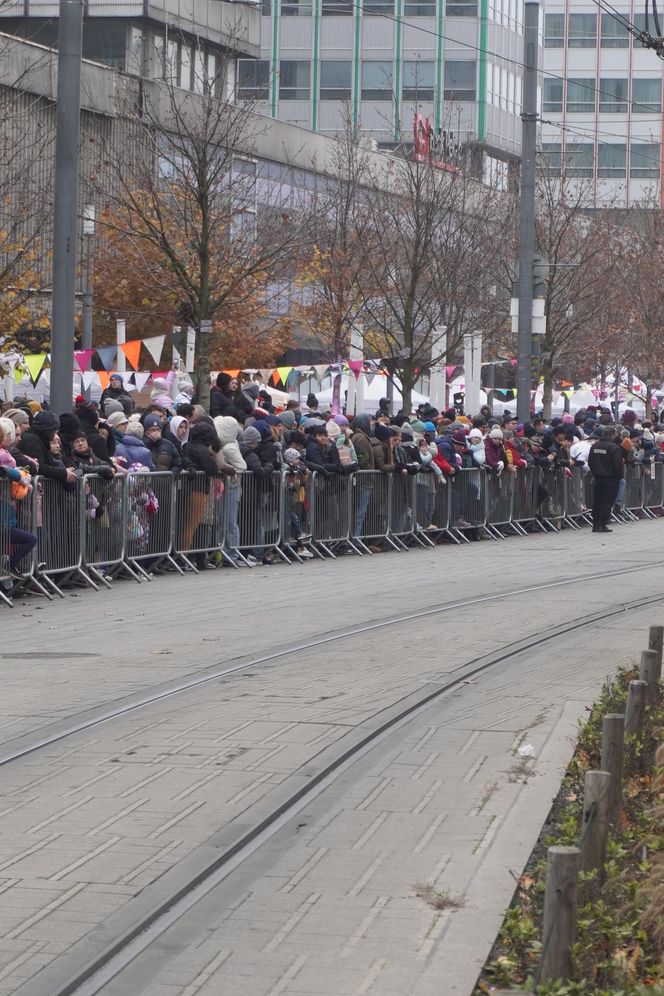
(193, 217)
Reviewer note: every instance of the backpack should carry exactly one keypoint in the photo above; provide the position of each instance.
(21, 489)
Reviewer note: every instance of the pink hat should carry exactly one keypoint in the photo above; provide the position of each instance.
(568, 419)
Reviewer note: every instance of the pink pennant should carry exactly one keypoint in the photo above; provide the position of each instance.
(513, 363)
(356, 366)
(83, 358)
(449, 370)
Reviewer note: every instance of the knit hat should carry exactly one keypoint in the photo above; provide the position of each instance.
(272, 420)
(597, 433)
(496, 433)
(223, 380)
(251, 436)
(288, 419)
(18, 416)
(262, 428)
(383, 432)
(110, 406)
(251, 390)
(407, 430)
(312, 400)
(116, 376)
(475, 434)
(69, 426)
(135, 427)
(159, 385)
(417, 425)
(46, 422)
(459, 437)
(87, 416)
(333, 430)
(568, 419)
(117, 418)
(429, 427)
(341, 420)
(152, 421)
(291, 455)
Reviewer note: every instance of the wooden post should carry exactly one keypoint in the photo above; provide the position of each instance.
(650, 673)
(595, 822)
(613, 735)
(636, 707)
(656, 641)
(560, 898)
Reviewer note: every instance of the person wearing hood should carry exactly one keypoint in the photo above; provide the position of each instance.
(160, 394)
(198, 498)
(176, 431)
(165, 455)
(130, 450)
(36, 443)
(475, 445)
(228, 430)
(494, 451)
(251, 392)
(227, 398)
(102, 447)
(254, 455)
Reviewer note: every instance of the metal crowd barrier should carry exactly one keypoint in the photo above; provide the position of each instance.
(97, 528)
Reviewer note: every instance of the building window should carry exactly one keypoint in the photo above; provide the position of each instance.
(377, 80)
(639, 23)
(579, 159)
(337, 8)
(614, 32)
(461, 8)
(581, 96)
(551, 158)
(384, 7)
(253, 79)
(460, 80)
(646, 96)
(296, 8)
(552, 99)
(171, 73)
(335, 79)
(582, 31)
(554, 30)
(611, 160)
(266, 8)
(613, 96)
(185, 66)
(644, 159)
(423, 9)
(418, 80)
(294, 79)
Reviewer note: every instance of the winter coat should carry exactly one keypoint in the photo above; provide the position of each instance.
(228, 429)
(495, 454)
(88, 463)
(165, 455)
(324, 459)
(133, 451)
(36, 444)
(477, 453)
(230, 405)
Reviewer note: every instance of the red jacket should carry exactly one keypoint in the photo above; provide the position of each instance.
(441, 462)
(514, 456)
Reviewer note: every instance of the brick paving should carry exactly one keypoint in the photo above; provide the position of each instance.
(89, 824)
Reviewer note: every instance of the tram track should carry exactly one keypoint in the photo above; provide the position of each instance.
(15, 749)
(82, 973)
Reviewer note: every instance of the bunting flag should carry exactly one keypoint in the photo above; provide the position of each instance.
(232, 373)
(107, 356)
(449, 370)
(132, 351)
(321, 369)
(89, 377)
(357, 366)
(283, 374)
(83, 358)
(34, 363)
(265, 374)
(370, 377)
(140, 380)
(155, 346)
(19, 374)
(104, 378)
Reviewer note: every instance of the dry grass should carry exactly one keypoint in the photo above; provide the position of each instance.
(438, 899)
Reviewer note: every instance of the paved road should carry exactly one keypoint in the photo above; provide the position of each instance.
(99, 823)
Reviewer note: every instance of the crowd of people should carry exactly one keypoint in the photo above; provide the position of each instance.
(245, 431)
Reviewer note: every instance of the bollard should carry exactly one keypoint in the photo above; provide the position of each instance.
(656, 641)
(613, 735)
(595, 822)
(636, 707)
(559, 930)
(649, 673)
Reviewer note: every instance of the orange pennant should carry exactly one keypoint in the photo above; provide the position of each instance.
(104, 378)
(132, 351)
(232, 373)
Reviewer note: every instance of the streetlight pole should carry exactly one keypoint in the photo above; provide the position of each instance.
(65, 223)
(527, 209)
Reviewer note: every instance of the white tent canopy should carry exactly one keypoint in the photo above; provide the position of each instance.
(373, 392)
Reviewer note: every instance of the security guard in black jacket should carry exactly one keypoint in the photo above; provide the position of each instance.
(606, 465)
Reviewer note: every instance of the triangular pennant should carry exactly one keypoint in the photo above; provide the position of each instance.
(357, 366)
(89, 377)
(34, 363)
(283, 374)
(232, 373)
(132, 351)
(449, 370)
(104, 378)
(155, 346)
(19, 374)
(370, 377)
(141, 379)
(107, 356)
(321, 369)
(83, 358)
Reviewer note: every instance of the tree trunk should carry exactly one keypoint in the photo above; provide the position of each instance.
(407, 381)
(547, 398)
(648, 400)
(202, 369)
(336, 394)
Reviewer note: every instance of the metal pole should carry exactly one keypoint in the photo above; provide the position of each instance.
(527, 209)
(65, 221)
(86, 312)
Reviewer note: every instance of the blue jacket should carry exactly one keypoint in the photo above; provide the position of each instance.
(133, 450)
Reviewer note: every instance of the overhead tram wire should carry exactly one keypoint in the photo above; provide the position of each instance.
(345, 7)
